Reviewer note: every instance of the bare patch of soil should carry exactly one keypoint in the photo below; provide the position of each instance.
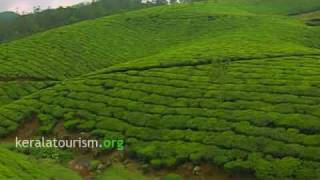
(81, 164)
(26, 130)
(206, 172)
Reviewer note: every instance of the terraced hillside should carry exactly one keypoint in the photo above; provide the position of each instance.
(203, 30)
(84, 47)
(261, 111)
(13, 90)
(204, 82)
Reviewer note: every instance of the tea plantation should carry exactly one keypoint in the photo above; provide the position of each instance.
(216, 82)
(13, 90)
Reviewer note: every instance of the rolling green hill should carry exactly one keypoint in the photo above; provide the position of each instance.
(285, 7)
(84, 47)
(8, 16)
(16, 166)
(198, 31)
(235, 85)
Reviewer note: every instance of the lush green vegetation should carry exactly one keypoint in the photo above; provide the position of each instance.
(13, 26)
(19, 167)
(119, 172)
(215, 31)
(286, 7)
(170, 115)
(311, 18)
(212, 82)
(8, 16)
(13, 90)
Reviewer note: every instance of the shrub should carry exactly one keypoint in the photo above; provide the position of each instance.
(72, 124)
(87, 125)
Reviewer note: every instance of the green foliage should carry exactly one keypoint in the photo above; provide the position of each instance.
(72, 124)
(94, 164)
(119, 172)
(215, 82)
(273, 6)
(14, 90)
(46, 153)
(16, 26)
(17, 166)
(8, 16)
(172, 177)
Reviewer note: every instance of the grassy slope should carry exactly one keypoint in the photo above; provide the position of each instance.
(91, 45)
(19, 167)
(8, 16)
(84, 47)
(262, 115)
(310, 15)
(157, 34)
(216, 95)
(311, 18)
(119, 172)
(13, 90)
(284, 7)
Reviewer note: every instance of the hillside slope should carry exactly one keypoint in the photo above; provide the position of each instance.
(91, 45)
(251, 115)
(284, 7)
(8, 16)
(202, 82)
(168, 33)
(17, 166)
